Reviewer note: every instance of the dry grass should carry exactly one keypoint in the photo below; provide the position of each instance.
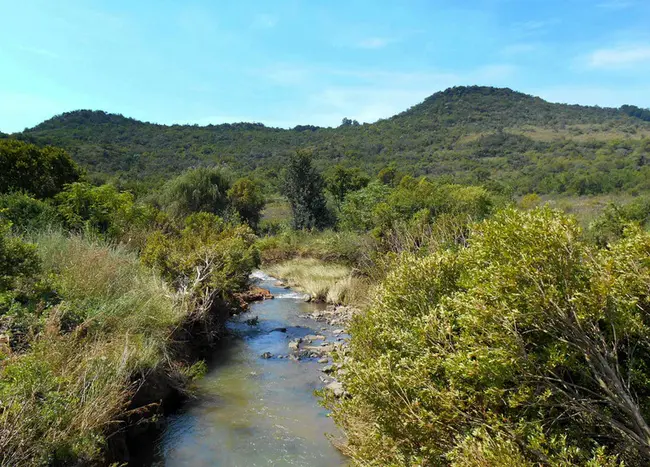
(331, 283)
(63, 396)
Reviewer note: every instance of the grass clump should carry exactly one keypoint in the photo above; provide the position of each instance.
(85, 356)
(327, 282)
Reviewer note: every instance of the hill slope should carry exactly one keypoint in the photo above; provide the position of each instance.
(464, 133)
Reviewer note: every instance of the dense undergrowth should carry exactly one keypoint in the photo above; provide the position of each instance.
(494, 330)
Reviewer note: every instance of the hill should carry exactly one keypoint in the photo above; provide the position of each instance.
(466, 134)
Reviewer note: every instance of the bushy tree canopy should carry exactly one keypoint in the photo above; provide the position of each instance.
(40, 171)
(303, 186)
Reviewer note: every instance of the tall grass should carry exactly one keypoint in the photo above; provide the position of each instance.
(60, 399)
(328, 282)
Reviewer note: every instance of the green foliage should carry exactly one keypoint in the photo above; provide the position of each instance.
(40, 171)
(62, 395)
(529, 346)
(27, 213)
(197, 190)
(246, 197)
(379, 207)
(303, 186)
(466, 135)
(611, 223)
(209, 258)
(102, 209)
(342, 181)
(17, 259)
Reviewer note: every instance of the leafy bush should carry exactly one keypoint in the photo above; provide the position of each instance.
(245, 196)
(103, 209)
(111, 327)
(40, 171)
(208, 259)
(527, 347)
(196, 190)
(27, 213)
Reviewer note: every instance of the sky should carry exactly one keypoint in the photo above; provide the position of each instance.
(290, 62)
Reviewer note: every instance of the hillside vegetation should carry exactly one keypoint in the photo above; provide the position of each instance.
(464, 134)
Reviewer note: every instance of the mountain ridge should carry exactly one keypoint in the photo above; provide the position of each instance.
(466, 134)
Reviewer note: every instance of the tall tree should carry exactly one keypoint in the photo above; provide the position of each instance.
(303, 186)
(342, 181)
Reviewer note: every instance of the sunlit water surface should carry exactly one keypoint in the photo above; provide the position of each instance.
(253, 411)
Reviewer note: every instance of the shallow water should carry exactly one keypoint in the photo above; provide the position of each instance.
(253, 411)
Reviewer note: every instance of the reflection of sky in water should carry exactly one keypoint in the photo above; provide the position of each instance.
(254, 411)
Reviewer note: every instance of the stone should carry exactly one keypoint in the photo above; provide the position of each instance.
(337, 388)
(323, 360)
(267, 355)
(293, 345)
(328, 369)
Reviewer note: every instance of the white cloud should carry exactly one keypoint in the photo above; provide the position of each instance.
(373, 43)
(619, 57)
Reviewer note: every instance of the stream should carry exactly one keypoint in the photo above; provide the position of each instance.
(256, 411)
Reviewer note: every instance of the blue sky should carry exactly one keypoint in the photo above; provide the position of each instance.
(292, 62)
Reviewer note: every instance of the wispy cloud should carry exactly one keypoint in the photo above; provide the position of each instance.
(617, 4)
(374, 43)
(619, 57)
(534, 27)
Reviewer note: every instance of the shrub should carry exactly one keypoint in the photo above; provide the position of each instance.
(27, 213)
(196, 190)
(208, 259)
(40, 171)
(111, 328)
(103, 209)
(245, 196)
(527, 347)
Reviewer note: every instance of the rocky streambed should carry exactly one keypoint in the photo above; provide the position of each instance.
(256, 406)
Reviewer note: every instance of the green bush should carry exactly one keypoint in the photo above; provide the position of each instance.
(527, 347)
(40, 171)
(245, 196)
(196, 190)
(27, 213)
(209, 258)
(104, 210)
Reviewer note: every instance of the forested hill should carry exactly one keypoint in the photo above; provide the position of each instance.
(467, 134)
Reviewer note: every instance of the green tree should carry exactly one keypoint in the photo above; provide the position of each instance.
(246, 197)
(303, 186)
(197, 190)
(40, 171)
(342, 181)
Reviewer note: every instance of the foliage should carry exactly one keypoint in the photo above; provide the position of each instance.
(611, 223)
(246, 197)
(379, 208)
(111, 328)
(342, 181)
(466, 135)
(27, 213)
(209, 259)
(527, 347)
(40, 171)
(303, 186)
(102, 209)
(197, 190)
(17, 258)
